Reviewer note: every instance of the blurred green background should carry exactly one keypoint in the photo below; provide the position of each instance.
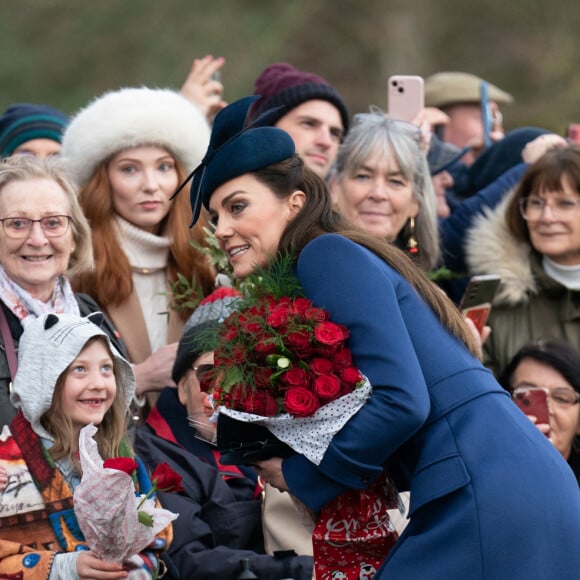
(65, 52)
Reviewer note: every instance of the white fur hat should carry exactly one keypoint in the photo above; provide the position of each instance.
(133, 117)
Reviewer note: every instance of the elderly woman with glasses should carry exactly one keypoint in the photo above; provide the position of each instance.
(44, 235)
(381, 183)
(552, 365)
(532, 240)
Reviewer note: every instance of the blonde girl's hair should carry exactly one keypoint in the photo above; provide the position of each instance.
(111, 432)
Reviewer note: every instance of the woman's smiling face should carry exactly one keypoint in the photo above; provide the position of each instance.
(249, 220)
(34, 262)
(376, 197)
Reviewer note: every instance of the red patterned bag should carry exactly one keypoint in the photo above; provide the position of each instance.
(354, 534)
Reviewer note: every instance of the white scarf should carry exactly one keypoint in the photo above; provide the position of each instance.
(22, 304)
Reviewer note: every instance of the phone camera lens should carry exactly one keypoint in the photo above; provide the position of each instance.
(401, 90)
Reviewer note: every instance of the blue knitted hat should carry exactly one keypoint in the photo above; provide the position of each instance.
(23, 122)
(235, 149)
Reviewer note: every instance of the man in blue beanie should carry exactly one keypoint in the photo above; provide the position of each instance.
(28, 129)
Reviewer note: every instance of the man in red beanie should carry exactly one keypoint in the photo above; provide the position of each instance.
(311, 111)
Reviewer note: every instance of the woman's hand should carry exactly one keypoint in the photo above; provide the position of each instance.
(154, 373)
(91, 567)
(202, 88)
(426, 120)
(540, 145)
(270, 470)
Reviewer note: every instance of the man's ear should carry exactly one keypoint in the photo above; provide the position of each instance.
(182, 389)
(296, 201)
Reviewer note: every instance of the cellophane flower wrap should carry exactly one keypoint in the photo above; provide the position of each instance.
(282, 363)
(106, 507)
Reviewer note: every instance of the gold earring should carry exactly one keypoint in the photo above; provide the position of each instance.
(412, 244)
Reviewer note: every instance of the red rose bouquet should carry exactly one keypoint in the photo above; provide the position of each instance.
(281, 363)
(115, 521)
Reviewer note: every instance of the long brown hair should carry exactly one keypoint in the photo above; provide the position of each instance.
(111, 283)
(317, 217)
(111, 431)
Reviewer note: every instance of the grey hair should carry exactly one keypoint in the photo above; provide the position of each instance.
(25, 167)
(374, 132)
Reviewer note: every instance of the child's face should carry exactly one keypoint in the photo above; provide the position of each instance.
(90, 386)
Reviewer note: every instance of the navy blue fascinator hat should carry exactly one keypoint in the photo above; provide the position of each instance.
(236, 148)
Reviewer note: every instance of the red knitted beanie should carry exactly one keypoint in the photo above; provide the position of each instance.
(282, 85)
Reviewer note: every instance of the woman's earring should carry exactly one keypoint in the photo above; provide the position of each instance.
(412, 244)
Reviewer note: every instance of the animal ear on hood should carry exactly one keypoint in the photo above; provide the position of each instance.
(96, 318)
(50, 321)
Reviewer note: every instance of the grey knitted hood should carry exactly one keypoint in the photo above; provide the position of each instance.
(47, 347)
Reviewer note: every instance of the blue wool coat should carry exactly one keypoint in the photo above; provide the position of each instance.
(491, 498)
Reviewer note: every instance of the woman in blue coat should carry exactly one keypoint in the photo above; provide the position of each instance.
(490, 496)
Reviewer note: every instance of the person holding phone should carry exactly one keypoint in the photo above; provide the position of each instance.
(459, 95)
(554, 366)
(532, 241)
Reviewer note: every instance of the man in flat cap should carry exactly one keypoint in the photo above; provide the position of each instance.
(465, 98)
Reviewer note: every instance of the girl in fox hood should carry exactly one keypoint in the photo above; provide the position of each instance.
(39, 535)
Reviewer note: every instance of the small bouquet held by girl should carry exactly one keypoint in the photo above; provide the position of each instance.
(116, 522)
(284, 382)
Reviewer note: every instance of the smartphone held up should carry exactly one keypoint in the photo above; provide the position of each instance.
(533, 401)
(406, 97)
(478, 297)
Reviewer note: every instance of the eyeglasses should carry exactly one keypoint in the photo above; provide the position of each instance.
(203, 373)
(561, 396)
(532, 207)
(19, 227)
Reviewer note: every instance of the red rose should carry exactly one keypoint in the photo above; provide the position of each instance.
(126, 464)
(299, 342)
(321, 366)
(251, 327)
(301, 402)
(234, 398)
(342, 359)
(316, 314)
(262, 377)
(296, 377)
(351, 376)
(239, 354)
(229, 333)
(278, 316)
(165, 479)
(327, 387)
(264, 348)
(300, 306)
(330, 333)
(260, 403)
